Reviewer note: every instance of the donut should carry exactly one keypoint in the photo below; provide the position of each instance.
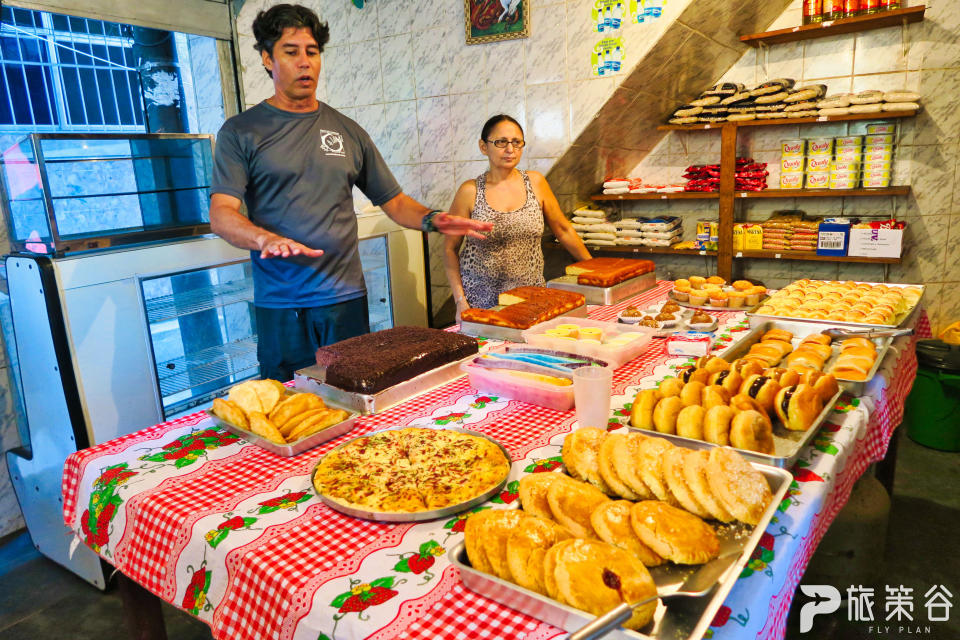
(670, 387)
(641, 413)
(826, 387)
(743, 402)
(716, 424)
(746, 367)
(797, 407)
(762, 389)
(692, 393)
(690, 422)
(713, 396)
(693, 374)
(729, 380)
(750, 430)
(713, 364)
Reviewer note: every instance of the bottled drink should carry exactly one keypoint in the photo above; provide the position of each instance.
(889, 5)
(869, 6)
(851, 8)
(812, 11)
(832, 10)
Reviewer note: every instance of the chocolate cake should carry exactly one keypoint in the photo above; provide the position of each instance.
(375, 361)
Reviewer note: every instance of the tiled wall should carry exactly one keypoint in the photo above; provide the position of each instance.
(406, 75)
(924, 57)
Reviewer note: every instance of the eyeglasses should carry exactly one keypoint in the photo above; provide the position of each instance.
(502, 143)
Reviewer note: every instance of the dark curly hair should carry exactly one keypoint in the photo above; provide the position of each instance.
(269, 25)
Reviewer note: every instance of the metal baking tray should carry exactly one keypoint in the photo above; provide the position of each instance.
(301, 445)
(477, 329)
(682, 619)
(414, 516)
(312, 379)
(787, 444)
(801, 330)
(606, 295)
(756, 318)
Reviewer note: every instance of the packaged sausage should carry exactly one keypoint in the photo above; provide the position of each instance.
(832, 10)
(812, 11)
(851, 8)
(869, 6)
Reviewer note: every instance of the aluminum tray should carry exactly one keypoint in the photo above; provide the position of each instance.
(787, 444)
(417, 516)
(756, 319)
(304, 444)
(800, 330)
(312, 379)
(681, 620)
(509, 334)
(606, 295)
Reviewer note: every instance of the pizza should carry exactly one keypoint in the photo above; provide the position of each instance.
(410, 470)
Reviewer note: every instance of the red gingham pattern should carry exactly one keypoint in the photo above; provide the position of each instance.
(272, 579)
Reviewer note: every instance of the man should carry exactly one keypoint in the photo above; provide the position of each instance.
(294, 161)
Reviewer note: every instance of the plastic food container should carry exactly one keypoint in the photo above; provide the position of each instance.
(818, 164)
(883, 166)
(844, 165)
(791, 164)
(850, 154)
(819, 180)
(881, 127)
(880, 154)
(793, 147)
(878, 138)
(844, 180)
(848, 141)
(609, 349)
(874, 181)
(820, 147)
(522, 389)
(791, 180)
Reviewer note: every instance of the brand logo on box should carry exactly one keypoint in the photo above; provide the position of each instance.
(820, 146)
(818, 164)
(792, 164)
(792, 147)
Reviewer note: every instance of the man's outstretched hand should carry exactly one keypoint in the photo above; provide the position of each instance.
(460, 226)
(276, 246)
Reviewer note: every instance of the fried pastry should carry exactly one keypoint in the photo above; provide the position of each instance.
(641, 413)
(318, 422)
(611, 522)
(695, 473)
(571, 503)
(550, 568)
(526, 548)
(293, 423)
(741, 489)
(230, 412)
(716, 425)
(580, 450)
(690, 422)
(674, 534)
(608, 472)
(471, 540)
(625, 464)
(596, 577)
(295, 404)
(245, 397)
(672, 466)
(649, 458)
(670, 387)
(533, 493)
(750, 430)
(261, 426)
(494, 533)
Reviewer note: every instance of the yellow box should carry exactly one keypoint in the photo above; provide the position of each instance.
(738, 237)
(752, 237)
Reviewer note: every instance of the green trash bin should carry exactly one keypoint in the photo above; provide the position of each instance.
(932, 412)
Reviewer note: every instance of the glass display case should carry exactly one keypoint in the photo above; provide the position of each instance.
(76, 192)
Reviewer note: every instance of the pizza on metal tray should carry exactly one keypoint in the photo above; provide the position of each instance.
(410, 470)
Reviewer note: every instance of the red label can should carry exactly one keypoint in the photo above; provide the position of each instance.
(851, 8)
(812, 11)
(832, 9)
(869, 6)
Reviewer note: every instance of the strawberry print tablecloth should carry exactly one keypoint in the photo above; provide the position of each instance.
(237, 537)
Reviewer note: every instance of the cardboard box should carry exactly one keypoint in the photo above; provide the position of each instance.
(752, 237)
(833, 238)
(876, 243)
(738, 237)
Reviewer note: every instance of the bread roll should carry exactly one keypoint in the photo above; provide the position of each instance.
(762, 389)
(692, 393)
(716, 424)
(670, 387)
(713, 396)
(777, 334)
(797, 407)
(750, 430)
(729, 380)
(665, 414)
(690, 422)
(826, 387)
(641, 413)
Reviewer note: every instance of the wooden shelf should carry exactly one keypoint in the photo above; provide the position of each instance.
(883, 115)
(662, 250)
(681, 195)
(812, 257)
(880, 20)
(824, 193)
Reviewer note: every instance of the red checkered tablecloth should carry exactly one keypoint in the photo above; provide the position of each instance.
(236, 536)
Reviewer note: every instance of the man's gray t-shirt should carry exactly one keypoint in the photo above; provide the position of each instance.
(296, 172)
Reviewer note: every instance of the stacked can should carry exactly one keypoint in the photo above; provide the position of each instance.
(845, 167)
(792, 159)
(819, 155)
(878, 155)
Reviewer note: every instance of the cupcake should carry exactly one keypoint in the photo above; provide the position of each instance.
(670, 307)
(736, 299)
(742, 285)
(681, 293)
(682, 282)
(697, 282)
(754, 294)
(698, 297)
(716, 280)
(718, 298)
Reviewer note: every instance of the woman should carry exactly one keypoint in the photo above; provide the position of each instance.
(516, 202)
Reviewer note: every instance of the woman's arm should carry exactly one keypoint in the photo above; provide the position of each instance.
(461, 207)
(558, 222)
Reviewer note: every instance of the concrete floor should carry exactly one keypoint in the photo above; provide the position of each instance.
(39, 600)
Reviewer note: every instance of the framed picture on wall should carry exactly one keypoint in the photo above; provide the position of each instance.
(493, 20)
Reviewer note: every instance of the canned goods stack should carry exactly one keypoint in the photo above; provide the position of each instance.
(793, 154)
(815, 11)
(845, 167)
(708, 234)
(878, 155)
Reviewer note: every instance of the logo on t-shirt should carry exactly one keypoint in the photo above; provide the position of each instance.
(332, 143)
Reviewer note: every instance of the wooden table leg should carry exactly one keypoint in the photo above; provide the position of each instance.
(141, 610)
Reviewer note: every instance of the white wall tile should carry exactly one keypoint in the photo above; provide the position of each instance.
(395, 16)
(371, 118)
(545, 49)
(586, 99)
(467, 66)
(828, 57)
(467, 118)
(396, 65)
(508, 100)
(408, 175)
(400, 133)
(437, 184)
(432, 54)
(547, 120)
(505, 65)
(349, 24)
(879, 51)
(367, 81)
(433, 126)
(339, 76)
